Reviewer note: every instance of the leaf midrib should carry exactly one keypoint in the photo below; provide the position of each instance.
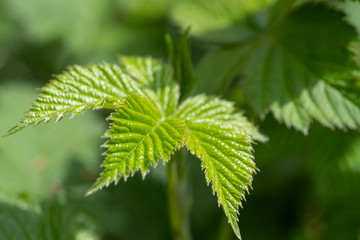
(141, 141)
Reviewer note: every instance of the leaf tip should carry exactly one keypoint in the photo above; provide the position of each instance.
(99, 184)
(237, 232)
(91, 191)
(12, 130)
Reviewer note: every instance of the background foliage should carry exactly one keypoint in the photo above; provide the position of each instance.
(308, 185)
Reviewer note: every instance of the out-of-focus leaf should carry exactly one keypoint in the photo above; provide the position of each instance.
(351, 9)
(140, 11)
(290, 69)
(323, 166)
(180, 58)
(89, 31)
(217, 68)
(217, 20)
(294, 75)
(44, 20)
(53, 221)
(9, 40)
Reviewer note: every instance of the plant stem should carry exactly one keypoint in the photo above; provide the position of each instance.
(178, 199)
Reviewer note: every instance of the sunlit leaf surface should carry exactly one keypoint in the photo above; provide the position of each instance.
(139, 137)
(224, 149)
(77, 90)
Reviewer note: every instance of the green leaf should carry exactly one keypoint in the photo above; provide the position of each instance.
(38, 27)
(286, 71)
(217, 20)
(156, 79)
(280, 9)
(77, 90)
(296, 73)
(139, 136)
(180, 57)
(18, 220)
(351, 10)
(103, 86)
(52, 221)
(212, 108)
(321, 101)
(220, 139)
(211, 67)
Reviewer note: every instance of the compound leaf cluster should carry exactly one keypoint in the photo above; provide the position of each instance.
(147, 124)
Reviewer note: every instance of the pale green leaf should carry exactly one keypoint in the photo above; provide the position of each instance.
(156, 79)
(212, 108)
(103, 86)
(220, 139)
(217, 20)
(79, 89)
(139, 136)
(68, 20)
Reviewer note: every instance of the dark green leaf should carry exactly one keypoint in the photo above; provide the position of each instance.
(52, 221)
(180, 58)
(293, 69)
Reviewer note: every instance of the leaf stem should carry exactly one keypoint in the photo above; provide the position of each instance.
(178, 198)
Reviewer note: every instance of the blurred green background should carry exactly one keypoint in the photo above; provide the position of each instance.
(308, 187)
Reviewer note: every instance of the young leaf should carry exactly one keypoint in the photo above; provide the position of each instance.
(77, 90)
(103, 86)
(224, 149)
(212, 108)
(156, 79)
(180, 57)
(139, 136)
